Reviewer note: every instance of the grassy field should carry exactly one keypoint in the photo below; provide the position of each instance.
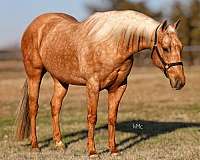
(170, 119)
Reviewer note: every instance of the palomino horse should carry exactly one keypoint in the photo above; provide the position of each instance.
(97, 53)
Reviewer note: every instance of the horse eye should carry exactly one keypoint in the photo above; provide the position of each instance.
(166, 49)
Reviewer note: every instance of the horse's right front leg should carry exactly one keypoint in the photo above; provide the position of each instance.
(93, 96)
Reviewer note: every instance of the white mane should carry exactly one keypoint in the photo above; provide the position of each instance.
(105, 25)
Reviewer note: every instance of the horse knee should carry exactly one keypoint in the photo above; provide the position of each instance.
(92, 119)
(55, 107)
(112, 120)
(33, 106)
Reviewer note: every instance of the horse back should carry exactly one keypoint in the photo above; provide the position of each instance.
(40, 27)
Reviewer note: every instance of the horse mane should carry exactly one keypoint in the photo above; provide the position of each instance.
(112, 24)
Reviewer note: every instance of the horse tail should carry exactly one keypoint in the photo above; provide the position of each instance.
(22, 121)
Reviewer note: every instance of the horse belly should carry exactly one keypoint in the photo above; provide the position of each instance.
(64, 67)
(66, 74)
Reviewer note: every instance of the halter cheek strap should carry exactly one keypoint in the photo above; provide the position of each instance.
(166, 66)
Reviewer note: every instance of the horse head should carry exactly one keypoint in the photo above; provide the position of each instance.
(166, 54)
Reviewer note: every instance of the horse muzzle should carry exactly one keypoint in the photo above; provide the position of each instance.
(177, 83)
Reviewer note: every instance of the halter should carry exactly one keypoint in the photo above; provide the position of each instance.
(166, 66)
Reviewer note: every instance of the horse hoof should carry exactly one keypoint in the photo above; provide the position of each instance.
(35, 150)
(60, 146)
(94, 156)
(115, 154)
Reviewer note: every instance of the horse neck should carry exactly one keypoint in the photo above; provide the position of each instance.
(141, 38)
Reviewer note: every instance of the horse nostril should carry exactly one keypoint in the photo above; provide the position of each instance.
(182, 84)
(178, 83)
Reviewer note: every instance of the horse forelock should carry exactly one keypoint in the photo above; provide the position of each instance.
(112, 24)
(171, 29)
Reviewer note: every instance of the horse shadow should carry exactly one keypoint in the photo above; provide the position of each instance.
(140, 130)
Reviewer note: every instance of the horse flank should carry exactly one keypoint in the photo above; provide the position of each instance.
(112, 24)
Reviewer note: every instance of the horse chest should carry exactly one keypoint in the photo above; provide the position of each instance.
(117, 77)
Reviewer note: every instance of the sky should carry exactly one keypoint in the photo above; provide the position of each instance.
(15, 15)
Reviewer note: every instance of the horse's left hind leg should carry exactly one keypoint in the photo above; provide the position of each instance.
(60, 91)
(34, 81)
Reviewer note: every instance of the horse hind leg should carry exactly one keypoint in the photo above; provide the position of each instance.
(34, 82)
(60, 91)
(35, 72)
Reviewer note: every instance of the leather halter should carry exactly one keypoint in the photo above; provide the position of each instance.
(166, 66)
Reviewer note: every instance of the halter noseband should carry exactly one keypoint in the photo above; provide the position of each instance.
(166, 66)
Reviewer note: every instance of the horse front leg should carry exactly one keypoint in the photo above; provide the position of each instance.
(114, 97)
(93, 97)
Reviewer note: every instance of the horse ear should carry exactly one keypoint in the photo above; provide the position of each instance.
(175, 25)
(164, 25)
